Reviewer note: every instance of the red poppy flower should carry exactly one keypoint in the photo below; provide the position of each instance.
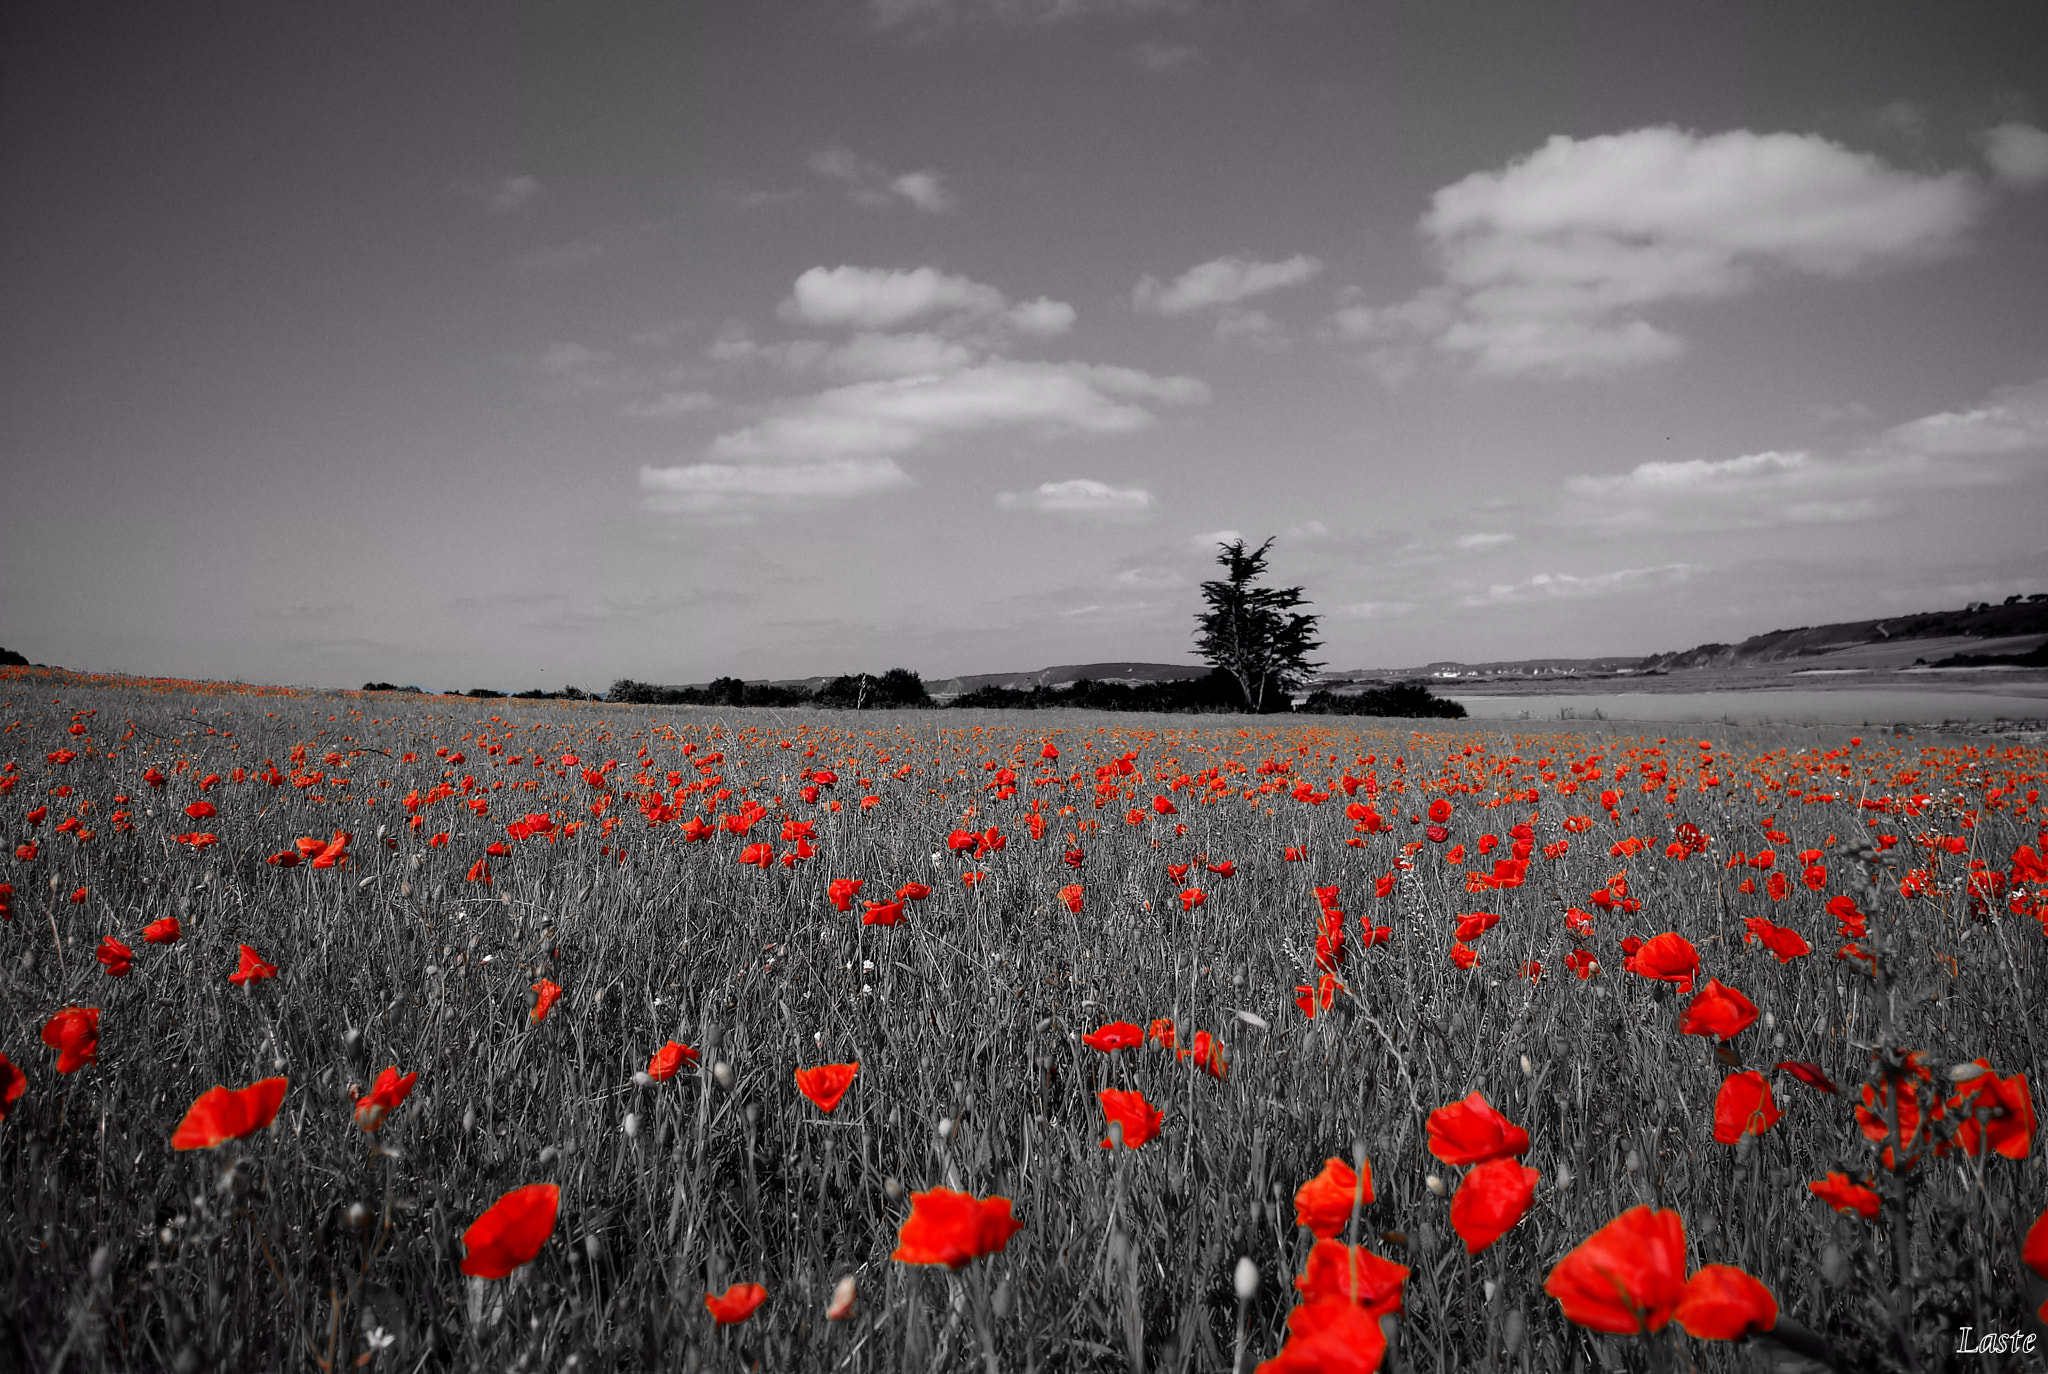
(1117, 1035)
(912, 892)
(511, 1232)
(546, 994)
(1329, 1338)
(13, 1083)
(1668, 958)
(115, 957)
(1324, 1203)
(1070, 897)
(1140, 1119)
(202, 811)
(1463, 955)
(1809, 1074)
(386, 1096)
(1626, 1277)
(736, 1304)
(881, 913)
(842, 891)
(668, 1059)
(1294, 853)
(826, 1083)
(251, 969)
(1492, 1197)
(1744, 1107)
(2005, 1106)
(759, 854)
(1718, 1011)
(2034, 1249)
(1207, 1053)
(165, 930)
(1472, 1131)
(1582, 963)
(953, 1228)
(1161, 1032)
(1440, 810)
(1844, 1196)
(1475, 923)
(1782, 941)
(1723, 1303)
(75, 1034)
(1226, 869)
(1191, 898)
(1074, 858)
(1339, 1271)
(221, 1114)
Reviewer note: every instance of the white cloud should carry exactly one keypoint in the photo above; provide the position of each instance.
(1208, 541)
(877, 298)
(1082, 496)
(1692, 475)
(704, 488)
(2015, 420)
(902, 414)
(897, 355)
(1549, 262)
(867, 182)
(669, 405)
(2017, 155)
(1041, 318)
(1253, 327)
(1484, 540)
(1379, 610)
(1546, 586)
(1222, 281)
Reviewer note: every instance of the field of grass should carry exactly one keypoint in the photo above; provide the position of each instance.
(312, 1243)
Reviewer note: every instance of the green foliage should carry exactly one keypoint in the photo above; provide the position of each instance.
(1410, 700)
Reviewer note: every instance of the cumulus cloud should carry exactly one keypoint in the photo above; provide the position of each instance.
(899, 415)
(1548, 586)
(1208, 540)
(1483, 540)
(897, 355)
(2017, 155)
(1082, 496)
(878, 298)
(1041, 318)
(1379, 610)
(1549, 263)
(702, 488)
(1221, 281)
(2014, 420)
(867, 182)
(1692, 475)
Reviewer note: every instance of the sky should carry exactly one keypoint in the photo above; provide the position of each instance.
(522, 345)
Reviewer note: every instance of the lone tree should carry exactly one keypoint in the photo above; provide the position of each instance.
(1254, 633)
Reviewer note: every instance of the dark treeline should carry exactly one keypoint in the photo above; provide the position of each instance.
(1218, 692)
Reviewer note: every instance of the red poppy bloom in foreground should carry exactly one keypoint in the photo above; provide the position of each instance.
(1140, 1119)
(1782, 941)
(1324, 1203)
(1723, 1303)
(1668, 958)
(251, 969)
(546, 993)
(912, 892)
(1070, 897)
(1626, 1277)
(2034, 1249)
(1491, 1199)
(668, 1059)
(386, 1096)
(1329, 1337)
(75, 1034)
(881, 913)
(1718, 1010)
(1340, 1271)
(1117, 1035)
(736, 1304)
(2005, 1106)
(952, 1228)
(13, 1083)
(115, 957)
(1744, 1107)
(1839, 1193)
(1812, 1075)
(826, 1083)
(511, 1232)
(221, 1114)
(842, 891)
(163, 931)
(1472, 1132)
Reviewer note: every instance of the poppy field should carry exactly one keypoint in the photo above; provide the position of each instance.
(374, 1031)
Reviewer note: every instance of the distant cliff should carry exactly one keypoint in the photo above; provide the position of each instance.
(2016, 616)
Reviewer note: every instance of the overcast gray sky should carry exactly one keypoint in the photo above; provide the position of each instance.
(515, 345)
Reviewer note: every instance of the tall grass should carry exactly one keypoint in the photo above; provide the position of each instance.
(316, 1245)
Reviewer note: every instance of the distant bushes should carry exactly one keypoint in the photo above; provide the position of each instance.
(893, 690)
(1410, 700)
(1216, 692)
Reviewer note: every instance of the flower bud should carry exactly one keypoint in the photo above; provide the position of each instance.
(1435, 1185)
(631, 1125)
(1245, 1279)
(722, 1071)
(841, 1306)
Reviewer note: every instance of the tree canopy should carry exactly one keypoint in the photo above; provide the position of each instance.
(1255, 633)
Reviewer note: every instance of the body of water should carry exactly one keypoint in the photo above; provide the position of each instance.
(1872, 706)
